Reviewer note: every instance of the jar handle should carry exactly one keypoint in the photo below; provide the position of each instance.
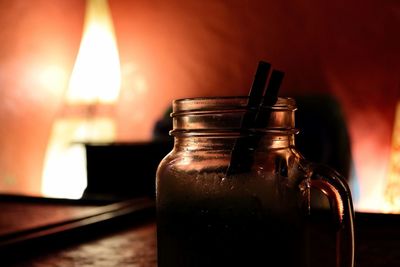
(333, 185)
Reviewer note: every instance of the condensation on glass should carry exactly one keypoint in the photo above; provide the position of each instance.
(263, 216)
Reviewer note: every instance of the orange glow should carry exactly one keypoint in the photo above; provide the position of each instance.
(96, 76)
(370, 160)
(393, 178)
(95, 81)
(377, 165)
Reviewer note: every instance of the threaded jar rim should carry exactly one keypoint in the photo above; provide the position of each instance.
(224, 104)
(208, 116)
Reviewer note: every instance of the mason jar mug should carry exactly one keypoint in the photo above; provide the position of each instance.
(229, 196)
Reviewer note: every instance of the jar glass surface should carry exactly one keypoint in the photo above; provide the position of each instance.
(209, 216)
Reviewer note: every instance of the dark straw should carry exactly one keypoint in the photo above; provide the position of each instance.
(270, 98)
(242, 157)
(256, 94)
(249, 117)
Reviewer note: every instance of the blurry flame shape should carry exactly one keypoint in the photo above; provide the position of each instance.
(96, 76)
(95, 81)
(392, 193)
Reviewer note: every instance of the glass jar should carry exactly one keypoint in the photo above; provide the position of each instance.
(228, 196)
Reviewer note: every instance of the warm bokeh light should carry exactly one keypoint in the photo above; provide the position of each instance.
(51, 78)
(393, 177)
(370, 157)
(96, 77)
(95, 81)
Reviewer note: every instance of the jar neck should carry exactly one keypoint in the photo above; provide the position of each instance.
(225, 144)
(217, 123)
(225, 115)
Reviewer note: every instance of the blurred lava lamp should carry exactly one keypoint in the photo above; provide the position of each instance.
(86, 116)
(393, 179)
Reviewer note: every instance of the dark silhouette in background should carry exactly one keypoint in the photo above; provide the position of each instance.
(323, 136)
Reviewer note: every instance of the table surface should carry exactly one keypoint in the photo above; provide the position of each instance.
(134, 244)
(136, 247)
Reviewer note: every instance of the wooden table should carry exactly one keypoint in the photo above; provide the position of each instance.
(132, 242)
(40, 232)
(135, 247)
